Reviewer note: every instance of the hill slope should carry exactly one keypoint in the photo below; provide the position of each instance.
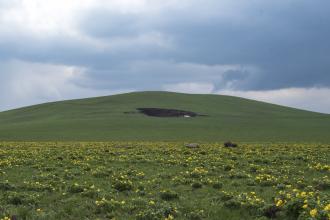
(106, 118)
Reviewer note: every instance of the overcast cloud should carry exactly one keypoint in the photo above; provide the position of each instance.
(274, 51)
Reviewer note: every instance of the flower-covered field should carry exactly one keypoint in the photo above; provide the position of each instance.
(164, 181)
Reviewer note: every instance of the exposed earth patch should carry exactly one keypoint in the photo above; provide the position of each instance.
(160, 112)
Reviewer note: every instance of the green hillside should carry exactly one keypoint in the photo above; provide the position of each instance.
(104, 119)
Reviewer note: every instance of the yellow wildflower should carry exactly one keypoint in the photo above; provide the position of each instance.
(279, 203)
(170, 217)
(313, 212)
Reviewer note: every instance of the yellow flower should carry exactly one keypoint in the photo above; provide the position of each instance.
(279, 203)
(39, 210)
(170, 217)
(305, 206)
(327, 207)
(313, 212)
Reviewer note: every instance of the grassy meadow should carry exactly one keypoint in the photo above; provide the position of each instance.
(280, 170)
(163, 180)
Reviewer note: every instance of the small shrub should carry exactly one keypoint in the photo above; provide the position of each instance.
(224, 196)
(168, 195)
(196, 185)
(270, 211)
(101, 173)
(123, 185)
(232, 203)
(195, 215)
(16, 198)
(76, 188)
(107, 206)
(217, 185)
(294, 207)
(322, 184)
(253, 169)
(4, 186)
(148, 215)
(228, 167)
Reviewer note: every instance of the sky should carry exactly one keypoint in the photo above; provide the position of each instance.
(276, 51)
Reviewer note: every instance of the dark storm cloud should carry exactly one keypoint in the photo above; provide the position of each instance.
(286, 43)
(289, 43)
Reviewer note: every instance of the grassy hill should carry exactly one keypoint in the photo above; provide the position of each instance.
(104, 119)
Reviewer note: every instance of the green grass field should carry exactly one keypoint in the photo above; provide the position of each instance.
(143, 170)
(103, 119)
(158, 180)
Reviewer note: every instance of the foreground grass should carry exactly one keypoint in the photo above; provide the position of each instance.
(163, 181)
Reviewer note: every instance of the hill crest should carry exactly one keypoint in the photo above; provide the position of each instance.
(104, 119)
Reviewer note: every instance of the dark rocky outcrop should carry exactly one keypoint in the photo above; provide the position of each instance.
(160, 112)
(230, 144)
